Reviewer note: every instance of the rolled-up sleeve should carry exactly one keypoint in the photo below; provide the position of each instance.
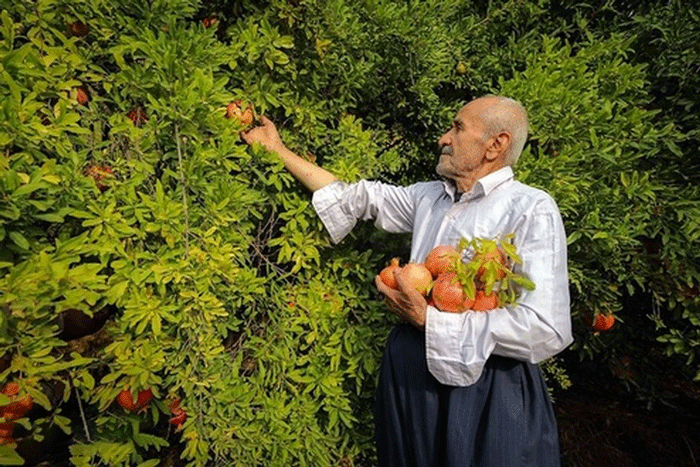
(340, 205)
(537, 327)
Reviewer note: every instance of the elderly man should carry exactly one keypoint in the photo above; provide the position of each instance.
(461, 389)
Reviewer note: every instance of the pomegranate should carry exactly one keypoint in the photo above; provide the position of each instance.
(491, 260)
(603, 322)
(179, 415)
(138, 116)
(244, 116)
(387, 274)
(418, 276)
(81, 95)
(442, 258)
(17, 408)
(6, 429)
(448, 294)
(484, 301)
(10, 389)
(128, 403)
(99, 172)
(78, 29)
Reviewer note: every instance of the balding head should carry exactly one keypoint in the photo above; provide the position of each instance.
(502, 114)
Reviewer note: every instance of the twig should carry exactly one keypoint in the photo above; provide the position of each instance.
(82, 413)
(692, 456)
(183, 184)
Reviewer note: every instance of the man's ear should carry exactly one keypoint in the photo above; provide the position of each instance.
(498, 145)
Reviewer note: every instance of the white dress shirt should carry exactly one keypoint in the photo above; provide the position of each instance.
(537, 327)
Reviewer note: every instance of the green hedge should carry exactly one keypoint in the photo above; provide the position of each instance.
(216, 282)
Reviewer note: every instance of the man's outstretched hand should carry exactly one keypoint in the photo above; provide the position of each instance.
(406, 303)
(265, 134)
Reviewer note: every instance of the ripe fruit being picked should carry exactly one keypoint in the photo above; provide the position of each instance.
(448, 294)
(442, 258)
(244, 115)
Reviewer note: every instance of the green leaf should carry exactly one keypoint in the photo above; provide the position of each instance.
(9, 456)
(19, 240)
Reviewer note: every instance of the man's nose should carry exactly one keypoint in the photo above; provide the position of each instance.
(444, 140)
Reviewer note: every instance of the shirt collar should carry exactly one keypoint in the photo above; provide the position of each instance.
(484, 185)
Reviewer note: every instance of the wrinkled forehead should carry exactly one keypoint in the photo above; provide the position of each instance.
(470, 113)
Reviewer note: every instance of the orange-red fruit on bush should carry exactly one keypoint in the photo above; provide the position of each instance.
(485, 302)
(179, 415)
(17, 408)
(81, 95)
(603, 322)
(449, 295)
(97, 173)
(441, 259)
(10, 389)
(137, 115)
(78, 29)
(178, 418)
(387, 274)
(210, 21)
(418, 276)
(243, 115)
(128, 403)
(6, 429)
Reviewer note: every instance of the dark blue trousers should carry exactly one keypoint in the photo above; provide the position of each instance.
(505, 419)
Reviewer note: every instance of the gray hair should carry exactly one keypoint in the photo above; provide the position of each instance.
(506, 115)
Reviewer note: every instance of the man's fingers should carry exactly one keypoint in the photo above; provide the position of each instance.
(381, 286)
(402, 282)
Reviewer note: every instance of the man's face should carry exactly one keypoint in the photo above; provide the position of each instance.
(464, 145)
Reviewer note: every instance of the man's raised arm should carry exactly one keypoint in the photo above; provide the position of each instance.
(309, 174)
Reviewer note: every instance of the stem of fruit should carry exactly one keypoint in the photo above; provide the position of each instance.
(183, 184)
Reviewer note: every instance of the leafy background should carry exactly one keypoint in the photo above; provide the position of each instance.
(198, 269)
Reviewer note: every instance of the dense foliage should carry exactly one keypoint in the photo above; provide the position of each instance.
(144, 246)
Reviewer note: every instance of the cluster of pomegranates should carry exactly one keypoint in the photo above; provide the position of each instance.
(16, 408)
(143, 400)
(453, 285)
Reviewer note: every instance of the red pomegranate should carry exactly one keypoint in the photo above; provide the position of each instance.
(128, 403)
(484, 301)
(448, 294)
(418, 276)
(442, 258)
(387, 274)
(603, 322)
(243, 114)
